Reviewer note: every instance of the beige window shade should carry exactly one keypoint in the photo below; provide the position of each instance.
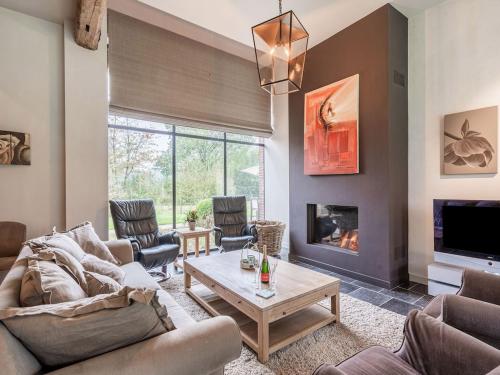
(154, 71)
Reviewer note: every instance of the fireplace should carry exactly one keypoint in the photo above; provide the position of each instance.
(334, 226)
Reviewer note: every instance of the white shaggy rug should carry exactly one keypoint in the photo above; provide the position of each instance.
(362, 325)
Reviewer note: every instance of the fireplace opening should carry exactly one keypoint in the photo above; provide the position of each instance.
(333, 225)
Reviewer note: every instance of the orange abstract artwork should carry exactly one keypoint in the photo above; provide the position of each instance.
(331, 128)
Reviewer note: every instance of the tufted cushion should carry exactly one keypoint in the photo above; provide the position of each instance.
(230, 214)
(136, 219)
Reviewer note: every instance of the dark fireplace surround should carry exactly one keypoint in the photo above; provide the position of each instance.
(375, 48)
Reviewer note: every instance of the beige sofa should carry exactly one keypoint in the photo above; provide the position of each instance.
(192, 348)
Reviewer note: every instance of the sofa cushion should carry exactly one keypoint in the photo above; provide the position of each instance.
(92, 263)
(57, 241)
(137, 277)
(100, 284)
(64, 333)
(85, 236)
(66, 261)
(46, 283)
(179, 316)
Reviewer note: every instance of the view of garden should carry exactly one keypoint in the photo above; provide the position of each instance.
(147, 158)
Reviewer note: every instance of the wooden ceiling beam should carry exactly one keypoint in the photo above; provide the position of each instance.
(90, 14)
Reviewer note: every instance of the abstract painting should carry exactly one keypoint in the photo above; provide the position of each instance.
(470, 142)
(15, 148)
(331, 128)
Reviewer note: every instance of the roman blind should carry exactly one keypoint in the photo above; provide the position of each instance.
(154, 72)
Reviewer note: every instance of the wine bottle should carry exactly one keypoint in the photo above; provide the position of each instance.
(264, 267)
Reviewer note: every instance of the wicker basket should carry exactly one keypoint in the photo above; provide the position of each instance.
(269, 233)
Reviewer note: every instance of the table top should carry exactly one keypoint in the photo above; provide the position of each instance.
(293, 281)
(198, 230)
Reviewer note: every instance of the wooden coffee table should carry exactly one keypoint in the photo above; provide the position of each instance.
(267, 325)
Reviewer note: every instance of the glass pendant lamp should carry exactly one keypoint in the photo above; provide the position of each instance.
(280, 50)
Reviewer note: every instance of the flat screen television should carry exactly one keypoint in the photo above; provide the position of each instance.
(467, 228)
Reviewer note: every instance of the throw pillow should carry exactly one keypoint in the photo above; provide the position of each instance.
(85, 236)
(58, 241)
(46, 283)
(92, 263)
(98, 324)
(62, 259)
(100, 284)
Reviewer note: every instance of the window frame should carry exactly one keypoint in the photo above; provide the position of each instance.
(174, 134)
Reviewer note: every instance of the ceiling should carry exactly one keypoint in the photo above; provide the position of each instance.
(321, 18)
(231, 19)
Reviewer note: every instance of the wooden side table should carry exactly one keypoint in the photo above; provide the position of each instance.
(185, 234)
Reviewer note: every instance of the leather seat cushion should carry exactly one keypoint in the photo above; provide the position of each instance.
(158, 256)
(137, 277)
(375, 361)
(235, 243)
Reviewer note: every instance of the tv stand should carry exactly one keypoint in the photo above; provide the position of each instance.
(445, 274)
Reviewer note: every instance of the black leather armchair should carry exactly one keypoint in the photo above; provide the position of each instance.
(135, 220)
(231, 227)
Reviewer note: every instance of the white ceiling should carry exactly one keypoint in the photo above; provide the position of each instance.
(232, 19)
(321, 18)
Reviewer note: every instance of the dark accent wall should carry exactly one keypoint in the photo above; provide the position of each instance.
(375, 48)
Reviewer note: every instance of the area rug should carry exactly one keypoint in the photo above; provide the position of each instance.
(362, 325)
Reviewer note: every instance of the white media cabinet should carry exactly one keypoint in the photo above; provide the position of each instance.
(445, 274)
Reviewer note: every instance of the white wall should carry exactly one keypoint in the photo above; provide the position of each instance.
(86, 112)
(454, 66)
(32, 101)
(57, 91)
(276, 166)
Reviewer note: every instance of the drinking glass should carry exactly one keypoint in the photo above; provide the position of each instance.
(256, 271)
(273, 262)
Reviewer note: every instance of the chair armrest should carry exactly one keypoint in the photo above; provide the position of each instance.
(218, 234)
(326, 369)
(122, 250)
(250, 230)
(200, 348)
(477, 318)
(480, 285)
(171, 238)
(433, 347)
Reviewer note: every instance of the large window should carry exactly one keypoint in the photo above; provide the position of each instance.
(181, 168)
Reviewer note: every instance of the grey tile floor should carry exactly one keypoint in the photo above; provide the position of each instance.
(401, 299)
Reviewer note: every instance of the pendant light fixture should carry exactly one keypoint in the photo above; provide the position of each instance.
(280, 50)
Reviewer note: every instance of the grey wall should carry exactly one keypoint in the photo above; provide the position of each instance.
(372, 49)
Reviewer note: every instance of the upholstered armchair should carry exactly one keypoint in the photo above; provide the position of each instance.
(231, 228)
(475, 309)
(429, 347)
(12, 236)
(135, 220)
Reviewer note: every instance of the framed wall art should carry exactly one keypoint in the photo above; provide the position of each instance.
(331, 117)
(470, 142)
(15, 148)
